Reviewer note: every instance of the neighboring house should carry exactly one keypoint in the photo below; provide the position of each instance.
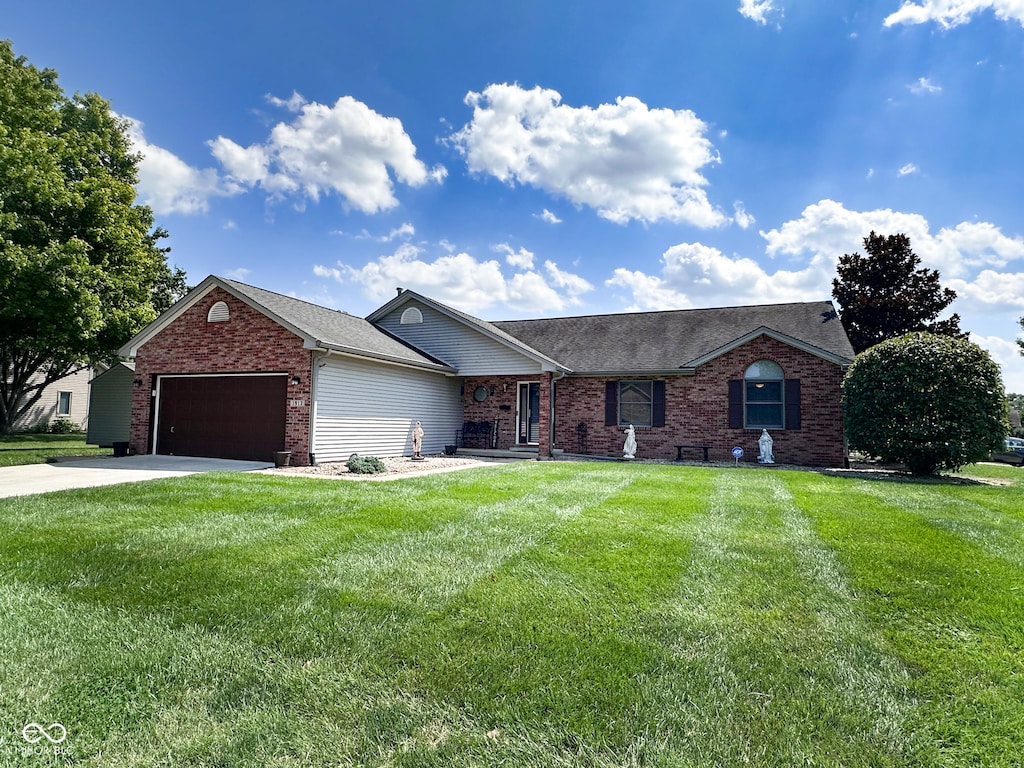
(236, 371)
(66, 398)
(110, 406)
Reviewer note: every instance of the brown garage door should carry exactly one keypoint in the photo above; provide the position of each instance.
(223, 417)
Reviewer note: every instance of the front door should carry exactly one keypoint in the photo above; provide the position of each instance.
(528, 416)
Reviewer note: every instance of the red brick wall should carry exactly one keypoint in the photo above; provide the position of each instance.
(249, 342)
(501, 405)
(696, 411)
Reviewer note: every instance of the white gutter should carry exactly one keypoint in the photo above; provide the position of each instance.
(363, 355)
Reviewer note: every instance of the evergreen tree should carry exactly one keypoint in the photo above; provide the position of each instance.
(885, 294)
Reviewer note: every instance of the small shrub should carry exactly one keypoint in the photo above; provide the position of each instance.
(365, 465)
(62, 426)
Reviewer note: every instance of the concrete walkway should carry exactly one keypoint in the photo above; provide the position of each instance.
(106, 470)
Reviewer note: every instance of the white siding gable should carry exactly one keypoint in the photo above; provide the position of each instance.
(467, 349)
(370, 409)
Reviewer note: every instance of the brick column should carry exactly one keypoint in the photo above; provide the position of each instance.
(544, 428)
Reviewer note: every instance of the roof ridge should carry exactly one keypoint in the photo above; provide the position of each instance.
(662, 311)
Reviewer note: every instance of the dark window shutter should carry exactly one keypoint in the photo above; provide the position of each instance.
(611, 404)
(736, 404)
(658, 404)
(792, 403)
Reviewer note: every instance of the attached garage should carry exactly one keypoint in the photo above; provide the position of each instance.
(221, 416)
(367, 408)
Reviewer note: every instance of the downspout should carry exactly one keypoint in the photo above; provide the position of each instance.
(551, 415)
(315, 364)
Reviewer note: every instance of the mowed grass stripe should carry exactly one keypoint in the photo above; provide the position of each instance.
(949, 598)
(773, 663)
(432, 564)
(983, 519)
(147, 693)
(553, 652)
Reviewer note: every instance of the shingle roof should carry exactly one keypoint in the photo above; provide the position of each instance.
(333, 329)
(664, 341)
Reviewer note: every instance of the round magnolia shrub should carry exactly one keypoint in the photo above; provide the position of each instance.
(929, 402)
(365, 465)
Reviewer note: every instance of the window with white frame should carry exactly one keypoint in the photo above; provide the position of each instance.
(63, 403)
(763, 396)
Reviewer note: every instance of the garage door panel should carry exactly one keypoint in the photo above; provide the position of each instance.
(229, 417)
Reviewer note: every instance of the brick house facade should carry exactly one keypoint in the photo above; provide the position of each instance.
(343, 384)
(252, 343)
(696, 411)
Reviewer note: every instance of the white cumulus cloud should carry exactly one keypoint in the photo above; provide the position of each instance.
(170, 185)
(908, 170)
(924, 86)
(984, 266)
(698, 275)
(523, 259)
(827, 229)
(625, 160)
(465, 282)
(1006, 354)
(549, 217)
(758, 10)
(346, 149)
(741, 217)
(952, 13)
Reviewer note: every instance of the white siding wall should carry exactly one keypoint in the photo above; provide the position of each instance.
(462, 347)
(45, 409)
(370, 409)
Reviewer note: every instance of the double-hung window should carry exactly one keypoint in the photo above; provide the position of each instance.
(640, 403)
(636, 401)
(63, 403)
(763, 396)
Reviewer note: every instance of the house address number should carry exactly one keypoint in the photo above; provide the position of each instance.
(297, 403)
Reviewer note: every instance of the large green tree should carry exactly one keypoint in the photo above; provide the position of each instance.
(930, 402)
(885, 293)
(80, 265)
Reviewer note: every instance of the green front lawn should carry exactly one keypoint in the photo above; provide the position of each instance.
(29, 448)
(540, 614)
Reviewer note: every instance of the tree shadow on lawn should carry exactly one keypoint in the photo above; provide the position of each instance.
(903, 476)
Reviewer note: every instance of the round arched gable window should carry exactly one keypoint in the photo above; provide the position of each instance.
(412, 316)
(218, 313)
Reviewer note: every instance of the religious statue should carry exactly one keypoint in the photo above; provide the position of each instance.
(629, 449)
(764, 443)
(417, 442)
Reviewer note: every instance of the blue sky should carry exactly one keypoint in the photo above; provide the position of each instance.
(519, 159)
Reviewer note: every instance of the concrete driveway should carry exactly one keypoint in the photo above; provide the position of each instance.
(105, 470)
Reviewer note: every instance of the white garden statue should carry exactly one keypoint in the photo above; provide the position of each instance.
(764, 443)
(417, 442)
(629, 449)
